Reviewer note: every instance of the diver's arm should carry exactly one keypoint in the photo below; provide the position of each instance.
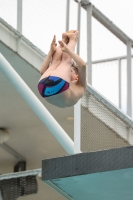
(79, 61)
(47, 60)
(81, 65)
(46, 63)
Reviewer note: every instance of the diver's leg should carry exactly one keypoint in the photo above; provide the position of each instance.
(57, 56)
(73, 38)
(63, 70)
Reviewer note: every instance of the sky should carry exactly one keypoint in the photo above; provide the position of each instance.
(44, 18)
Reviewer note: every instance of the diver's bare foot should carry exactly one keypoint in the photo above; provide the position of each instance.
(73, 34)
(65, 38)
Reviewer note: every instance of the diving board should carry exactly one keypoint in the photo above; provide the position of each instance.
(101, 175)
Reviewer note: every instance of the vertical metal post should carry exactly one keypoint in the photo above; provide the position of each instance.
(19, 15)
(119, 78)
(129, 79)
(77, 107)
(89, 42)
(67, 14)
(78, 26)
(77, 127)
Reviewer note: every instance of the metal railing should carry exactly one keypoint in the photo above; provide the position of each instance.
(119, 78)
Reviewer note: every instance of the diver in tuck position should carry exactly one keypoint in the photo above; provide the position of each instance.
(63, 81)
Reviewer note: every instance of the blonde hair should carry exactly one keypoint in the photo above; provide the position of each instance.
(75, 66)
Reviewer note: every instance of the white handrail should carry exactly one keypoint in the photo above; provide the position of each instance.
(36, 106)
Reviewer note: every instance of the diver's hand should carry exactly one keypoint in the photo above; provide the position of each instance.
(63, 46)
(53, 45)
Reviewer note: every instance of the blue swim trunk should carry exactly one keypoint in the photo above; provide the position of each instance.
(52, 85)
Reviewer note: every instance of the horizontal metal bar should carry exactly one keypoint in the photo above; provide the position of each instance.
(21, 174)
(110, 59)
(12, 152)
